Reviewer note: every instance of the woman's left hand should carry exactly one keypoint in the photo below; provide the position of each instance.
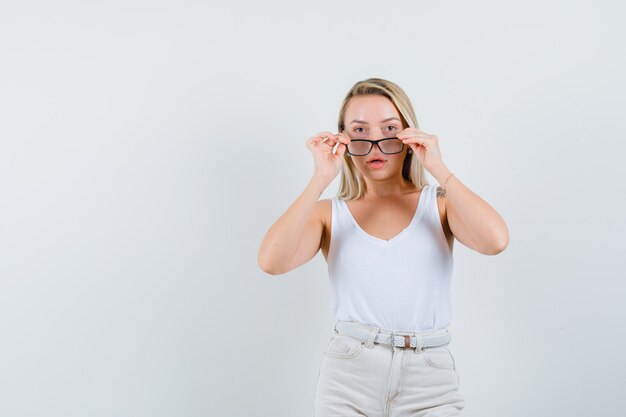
(425, 146)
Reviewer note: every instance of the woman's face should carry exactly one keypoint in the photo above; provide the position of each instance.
(374, 117)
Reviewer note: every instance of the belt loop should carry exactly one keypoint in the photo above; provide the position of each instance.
(419, 343)
(369, 343)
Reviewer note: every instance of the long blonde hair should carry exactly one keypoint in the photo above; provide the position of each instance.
(352, 185)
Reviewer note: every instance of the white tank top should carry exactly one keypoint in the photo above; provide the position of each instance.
(401, 284)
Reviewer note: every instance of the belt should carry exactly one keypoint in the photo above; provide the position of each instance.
(414, 340)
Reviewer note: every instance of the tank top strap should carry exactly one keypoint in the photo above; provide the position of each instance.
(432, 209)
(339, 220)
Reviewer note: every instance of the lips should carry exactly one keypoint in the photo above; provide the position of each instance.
(377, 163)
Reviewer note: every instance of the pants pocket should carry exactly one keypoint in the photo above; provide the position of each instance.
(439, 357)
(343, 347)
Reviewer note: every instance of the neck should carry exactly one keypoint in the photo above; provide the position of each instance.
(388, 187)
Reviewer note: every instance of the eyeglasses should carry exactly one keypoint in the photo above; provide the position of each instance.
(388, 146)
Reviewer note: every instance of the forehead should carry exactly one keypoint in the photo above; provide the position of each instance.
(372, 109)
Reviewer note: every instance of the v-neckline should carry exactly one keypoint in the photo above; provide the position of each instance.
(384, 242)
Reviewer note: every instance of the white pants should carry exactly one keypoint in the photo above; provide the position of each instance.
(376, 380)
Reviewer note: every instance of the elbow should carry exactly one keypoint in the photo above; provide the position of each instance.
(502, 244)
(504, 240)
(267, 266)
(269, 270)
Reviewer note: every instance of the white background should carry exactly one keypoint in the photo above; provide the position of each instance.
(146, 148)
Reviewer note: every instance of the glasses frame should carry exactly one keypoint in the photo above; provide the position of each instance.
(372, 143)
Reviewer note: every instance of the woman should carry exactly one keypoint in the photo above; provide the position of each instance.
(388, 240)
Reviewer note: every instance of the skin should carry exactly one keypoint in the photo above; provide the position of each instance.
(390, 201)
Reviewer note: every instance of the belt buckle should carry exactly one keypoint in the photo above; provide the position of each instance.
(407, 341)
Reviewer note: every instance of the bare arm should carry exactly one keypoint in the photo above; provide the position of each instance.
(296, 236)
(471, 219)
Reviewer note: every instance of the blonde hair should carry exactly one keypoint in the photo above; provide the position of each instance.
(352, 185)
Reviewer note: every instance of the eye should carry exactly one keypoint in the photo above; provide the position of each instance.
(357, 129)
(393, 127)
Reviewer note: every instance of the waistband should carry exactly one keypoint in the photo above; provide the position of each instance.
(403, 339)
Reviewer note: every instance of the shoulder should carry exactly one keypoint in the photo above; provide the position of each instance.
(441, 202)
(323, 210)
(443, 212)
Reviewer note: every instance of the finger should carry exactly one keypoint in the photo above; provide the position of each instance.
(341, 150)
(321, 140)
(416, 140)
(333, 142)
(410, 131)
(327, 134)
(329, 142)
(414, 136)
(343, 138)
(316, 141)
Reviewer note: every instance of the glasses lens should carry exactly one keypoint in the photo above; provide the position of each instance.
(359, 147)
(391, 145)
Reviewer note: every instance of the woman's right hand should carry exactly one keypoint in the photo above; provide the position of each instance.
(327, 163)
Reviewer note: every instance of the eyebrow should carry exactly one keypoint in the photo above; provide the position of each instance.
(382, 121)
